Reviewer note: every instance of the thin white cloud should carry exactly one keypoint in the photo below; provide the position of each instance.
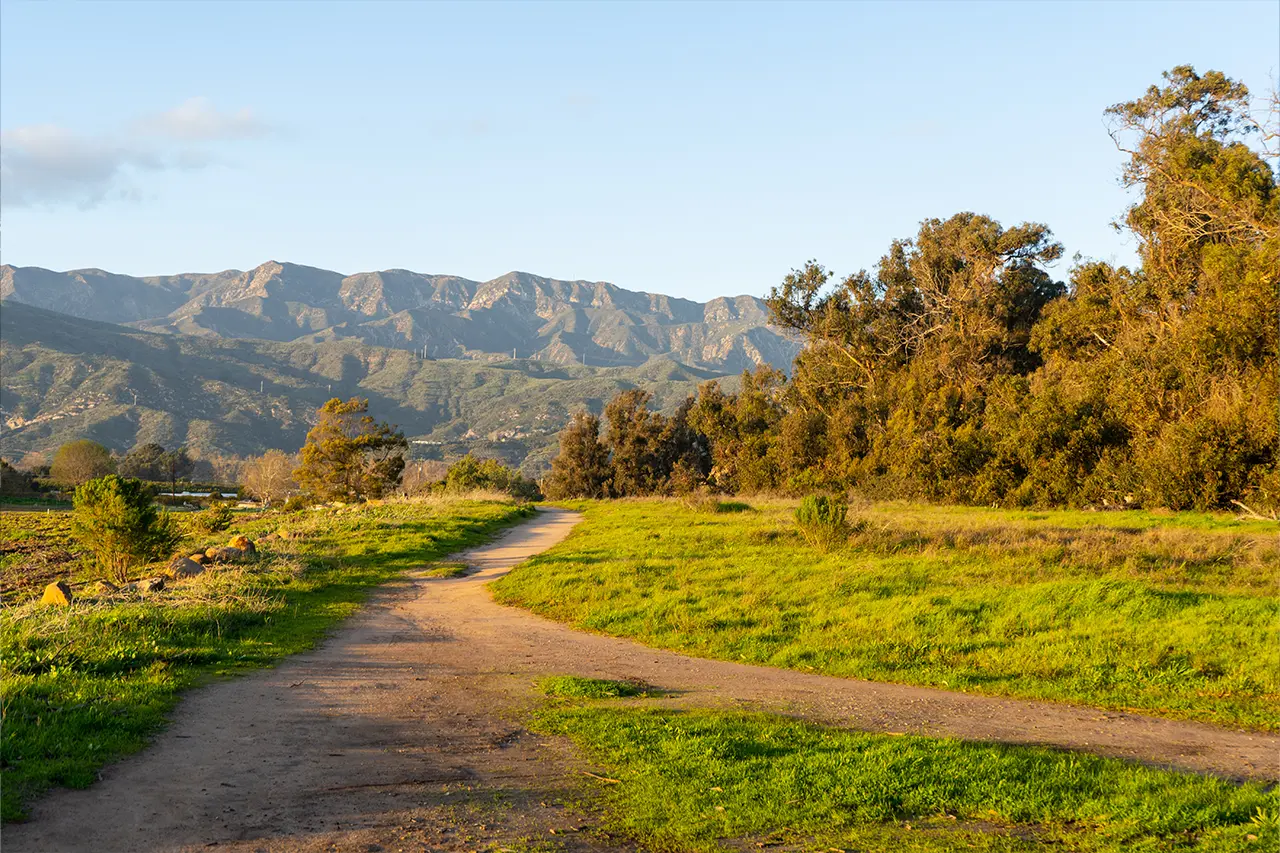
(198, 120)
(48, 165)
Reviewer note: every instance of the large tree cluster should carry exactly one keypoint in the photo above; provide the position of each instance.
(958, 369)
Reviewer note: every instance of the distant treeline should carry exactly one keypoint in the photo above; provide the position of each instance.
(960, 370)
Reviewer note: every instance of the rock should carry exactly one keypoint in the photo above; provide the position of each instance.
(244, 543)
(183, 567)
(200, 558)
(57, 594)
(225, 554)
(151, 585)
(105, 588)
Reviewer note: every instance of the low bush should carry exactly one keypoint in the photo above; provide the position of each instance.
(471, 475)
(295, 503)
(823, 521)
(115, 521)
(215, 519)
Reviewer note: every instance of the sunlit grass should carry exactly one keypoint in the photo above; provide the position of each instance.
(89, 683)
(1169, 615)
(711, 780)
(574, 687)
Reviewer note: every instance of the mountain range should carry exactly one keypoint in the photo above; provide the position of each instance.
(442, 316)
(237, 362)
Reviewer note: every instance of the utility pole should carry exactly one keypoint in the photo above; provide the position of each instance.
(262, 383)
(135, 398)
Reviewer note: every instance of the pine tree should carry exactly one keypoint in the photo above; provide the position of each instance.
(348, 455)
(582, 469)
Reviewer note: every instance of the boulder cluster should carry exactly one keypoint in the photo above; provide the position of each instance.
(181, 567)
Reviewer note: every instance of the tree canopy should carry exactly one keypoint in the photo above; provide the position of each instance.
(77, 462)
(348, 455)
(960, 369)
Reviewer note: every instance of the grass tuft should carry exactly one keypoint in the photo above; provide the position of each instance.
(573, 687)
(445, 570)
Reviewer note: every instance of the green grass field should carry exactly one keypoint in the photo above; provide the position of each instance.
(89, 683)
(1173, 615)
(714, 780)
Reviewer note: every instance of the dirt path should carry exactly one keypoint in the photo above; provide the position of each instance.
(402, 732)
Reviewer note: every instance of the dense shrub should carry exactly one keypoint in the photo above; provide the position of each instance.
(117, 524)
(470, 474)
(823, 521)
(215, 519)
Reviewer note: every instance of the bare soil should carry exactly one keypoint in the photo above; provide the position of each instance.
(402, 732)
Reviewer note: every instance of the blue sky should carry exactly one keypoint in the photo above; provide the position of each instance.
(694, 150)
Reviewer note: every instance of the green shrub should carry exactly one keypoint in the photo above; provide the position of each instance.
(470, 474)
(700, 500)
(115, 521)
(295, 503)
(822, 521)
(215, 519)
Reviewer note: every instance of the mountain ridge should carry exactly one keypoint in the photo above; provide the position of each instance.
(67, 377)
(443, 316)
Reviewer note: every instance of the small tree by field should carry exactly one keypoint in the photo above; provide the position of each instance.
(14, 482)
(78, 462)
(152, 462)
(470, 474)
(269, 477)
(118, 525)
(421, 477)
(582, 469)
(349, 455)
(146, 462)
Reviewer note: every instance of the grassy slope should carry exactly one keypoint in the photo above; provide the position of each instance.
(690, 780)
(1170, 615)
(87, 684)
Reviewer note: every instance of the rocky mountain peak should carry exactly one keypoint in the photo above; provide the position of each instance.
(533, 316)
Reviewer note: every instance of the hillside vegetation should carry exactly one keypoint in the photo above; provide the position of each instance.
(1167, 615)
(67, 378)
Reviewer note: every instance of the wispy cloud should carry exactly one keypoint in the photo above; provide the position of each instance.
(198, 120)
(49, 165)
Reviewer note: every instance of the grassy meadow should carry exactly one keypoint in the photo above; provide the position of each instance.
(88, 683)
(1166, 614)
(714, 780)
